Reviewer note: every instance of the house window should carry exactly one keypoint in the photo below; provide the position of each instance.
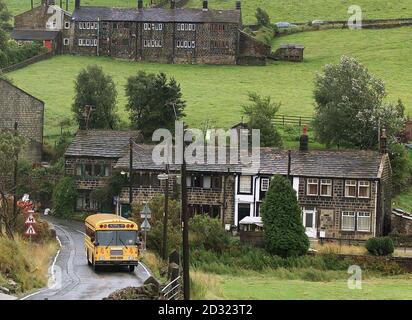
(364, 221)
(216, 182)
(245, 184)
(364, 189)
(80, 42)
(95, 42)
(348, 221)
(188, 182)
(312, 187)
(207, 182)
(66, 41)
(80, 25)
(264, 184)
(79, 170)
(326, 187)
(67, 25)
(350, 188)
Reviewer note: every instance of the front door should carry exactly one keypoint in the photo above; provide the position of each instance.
(243, 211)
(309, 222)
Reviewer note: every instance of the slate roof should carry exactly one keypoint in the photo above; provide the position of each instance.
(353, 164)
(100, 143)
(156, 15)
(33, 34)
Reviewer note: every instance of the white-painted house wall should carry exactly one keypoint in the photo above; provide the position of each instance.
(254, 198)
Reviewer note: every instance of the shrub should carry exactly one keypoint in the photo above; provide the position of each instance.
(284, 233)
(208, 233)
(381, 246)
(64, 197)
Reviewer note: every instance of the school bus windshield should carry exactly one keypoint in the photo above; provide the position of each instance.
(116, 238)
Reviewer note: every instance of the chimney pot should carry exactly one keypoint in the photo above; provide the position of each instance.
(238, 5)
(140, 4)
(205, 5)
(304, 140)
(77, 4)
(173, 4)
(383, 148)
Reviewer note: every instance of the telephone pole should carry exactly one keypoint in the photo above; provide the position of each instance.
(185, 226)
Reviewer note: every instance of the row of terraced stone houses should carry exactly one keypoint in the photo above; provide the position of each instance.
(343, 194)
(168, 35)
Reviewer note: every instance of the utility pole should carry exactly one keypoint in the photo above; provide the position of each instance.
(15, 180)
(166, 215)
(130, 175)
(185, 226)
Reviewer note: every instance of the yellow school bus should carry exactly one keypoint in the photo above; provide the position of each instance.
(111, 240)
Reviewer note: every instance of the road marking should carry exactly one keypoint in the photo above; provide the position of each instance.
(81, 232)
(52, 272)
(145, 269)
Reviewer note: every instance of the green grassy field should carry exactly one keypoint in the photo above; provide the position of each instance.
(216, 93)
(280, 10)
(404, 201)
(267, 288)
(19, 6)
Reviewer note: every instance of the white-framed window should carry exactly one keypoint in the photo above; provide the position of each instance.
(348, 221)
(364, 221)
(95, 42)
(67, 25)
(88, 25)
(152, 43)
(245, 184)
(264, 184)
(186, 27)
(312, 187)
(364, 189)
(80, 25)
(326, 187)
(350, 188)
(80, 42)
(153, 26)
(66, 41)
(88, 42)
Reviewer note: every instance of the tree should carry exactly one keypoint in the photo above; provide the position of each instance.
(11, 145)
(284, 233)
(64, 197)
(153, 102)
(401, 166)
(350, 106)
(95, 89)
(5, 26)
(261, 112)
(262, 17)
(5, 17)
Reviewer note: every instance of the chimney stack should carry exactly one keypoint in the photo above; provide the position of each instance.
(172, 4)
(77, 4)
(238, 5)
(140, 4)
(383, 148)
(205, 5)
(304, 140)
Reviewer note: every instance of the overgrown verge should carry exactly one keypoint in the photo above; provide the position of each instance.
(24, 265)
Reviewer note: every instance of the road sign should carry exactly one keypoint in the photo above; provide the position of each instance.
(146, 225)
(30, 231)
(30, 220)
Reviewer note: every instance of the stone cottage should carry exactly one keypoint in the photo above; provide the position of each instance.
(343, 194)
(18, 106)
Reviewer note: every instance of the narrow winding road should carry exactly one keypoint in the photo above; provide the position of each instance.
(74, 279)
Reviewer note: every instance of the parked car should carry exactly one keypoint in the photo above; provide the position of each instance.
(317, 22)
(284, 25)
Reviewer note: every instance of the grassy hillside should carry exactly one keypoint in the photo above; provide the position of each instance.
(308, 10)
(19, 6)
(218, 92)
(279, 10)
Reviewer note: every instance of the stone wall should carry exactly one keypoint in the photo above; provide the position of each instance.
(19, 106)
(83, 182)
(401, 225)
(210, 43)
(252, 51)
(33, 19)
(196, 196)
(330, 209)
